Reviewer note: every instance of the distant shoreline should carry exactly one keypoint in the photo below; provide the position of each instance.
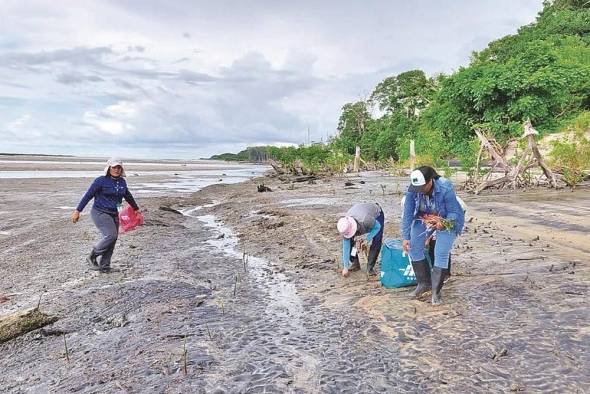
(33, 154)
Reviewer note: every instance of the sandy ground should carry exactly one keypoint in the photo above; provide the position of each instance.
(238, 291)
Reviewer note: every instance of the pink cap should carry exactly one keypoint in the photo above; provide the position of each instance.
(347, 226)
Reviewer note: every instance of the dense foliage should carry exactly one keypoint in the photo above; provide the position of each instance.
(570, 154)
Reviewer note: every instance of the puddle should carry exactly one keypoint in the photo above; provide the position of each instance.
(284, 302)
(191, 211)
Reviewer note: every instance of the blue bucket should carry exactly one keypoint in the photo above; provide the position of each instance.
(396, 267)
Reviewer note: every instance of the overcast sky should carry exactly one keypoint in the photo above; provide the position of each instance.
(187, 79)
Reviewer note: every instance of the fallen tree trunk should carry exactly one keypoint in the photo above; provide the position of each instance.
(296, 179)
(277, 167)
(20, 323)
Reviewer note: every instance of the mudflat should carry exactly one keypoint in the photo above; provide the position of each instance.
(231, 290)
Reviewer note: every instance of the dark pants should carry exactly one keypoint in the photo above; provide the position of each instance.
(108, 225)
(375, 244)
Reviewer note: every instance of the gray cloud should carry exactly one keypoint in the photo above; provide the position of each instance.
(264, 71)
(76, 56)
(74, 78)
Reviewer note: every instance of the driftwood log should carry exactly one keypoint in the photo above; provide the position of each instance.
(20, 323)
(297, 179)
(513, 175)
(277, 167)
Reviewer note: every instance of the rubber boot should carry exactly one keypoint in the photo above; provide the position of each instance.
(422, 272)
(355, 264)
(431, 246)
(438, 277)
(372, 260)
(92, 262)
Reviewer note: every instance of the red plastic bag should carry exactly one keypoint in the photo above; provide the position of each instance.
(129, 219)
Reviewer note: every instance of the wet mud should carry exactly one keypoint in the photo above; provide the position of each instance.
(231, 290)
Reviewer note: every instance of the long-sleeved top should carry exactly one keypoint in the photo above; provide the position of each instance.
(443, 201)
(108, 193)
(366, 215)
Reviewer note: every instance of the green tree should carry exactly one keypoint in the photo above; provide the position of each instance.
(409, 92)
(354, 121)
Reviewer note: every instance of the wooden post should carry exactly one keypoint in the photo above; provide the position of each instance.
(412, 155)
(357, 159)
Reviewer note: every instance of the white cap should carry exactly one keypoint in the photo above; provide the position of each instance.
(115, 161)
(416, 181)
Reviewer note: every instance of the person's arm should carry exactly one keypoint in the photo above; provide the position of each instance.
(85, 199)
(89, 195)
(376, 228)
(346, 253)
(129, 198)
(454, 209)
(408, 215)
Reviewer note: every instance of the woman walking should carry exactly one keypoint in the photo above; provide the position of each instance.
(430, 206)
(108, 192)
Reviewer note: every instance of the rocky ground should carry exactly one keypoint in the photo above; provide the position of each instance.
(231, 290)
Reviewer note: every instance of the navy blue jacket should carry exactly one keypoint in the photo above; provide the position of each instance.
(446, 204)
(108, 193)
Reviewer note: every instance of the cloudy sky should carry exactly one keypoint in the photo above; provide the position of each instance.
(190, 78)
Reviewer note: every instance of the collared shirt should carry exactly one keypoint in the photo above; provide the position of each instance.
(108, 193)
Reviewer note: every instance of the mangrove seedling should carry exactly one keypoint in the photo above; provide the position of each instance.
(184, 357)
(66, 349)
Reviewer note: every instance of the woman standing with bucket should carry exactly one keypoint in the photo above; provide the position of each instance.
(430, 205)
(108, 192)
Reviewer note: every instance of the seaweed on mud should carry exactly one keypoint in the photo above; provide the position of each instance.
(168, 209)
(20, 323)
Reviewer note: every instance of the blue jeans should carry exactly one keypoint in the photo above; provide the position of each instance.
(442, 250)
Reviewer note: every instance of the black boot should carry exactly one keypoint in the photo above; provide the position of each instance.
(448, 275)
(92, 262)
(372, 260)
(355, 264)
(438, 277)
(422, 272)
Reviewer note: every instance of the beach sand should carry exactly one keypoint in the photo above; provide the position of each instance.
(231, 290)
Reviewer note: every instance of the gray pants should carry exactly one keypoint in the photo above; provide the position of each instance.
(108, 225)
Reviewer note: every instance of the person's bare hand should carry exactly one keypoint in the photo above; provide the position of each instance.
(362, 245)
(406, 245)
(75, 216)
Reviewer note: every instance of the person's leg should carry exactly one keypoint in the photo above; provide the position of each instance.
(431, 247)
(442, 251)
(355, 264)
(418, 235)
(108, 226)
(376, 246)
